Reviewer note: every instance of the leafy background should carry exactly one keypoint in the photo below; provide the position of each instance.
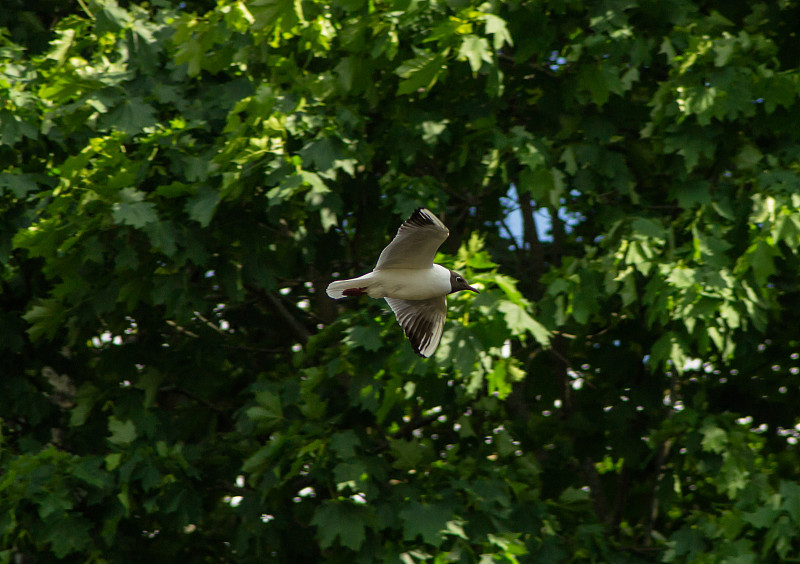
(179, 183)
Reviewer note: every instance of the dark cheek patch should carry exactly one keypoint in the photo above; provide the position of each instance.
(354, 291)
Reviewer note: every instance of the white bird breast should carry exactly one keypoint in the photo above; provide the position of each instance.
(410, 284)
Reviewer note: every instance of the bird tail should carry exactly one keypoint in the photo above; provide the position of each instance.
(352, 287)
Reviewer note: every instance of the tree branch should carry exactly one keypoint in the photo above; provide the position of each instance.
(558, 236)
(298, 330)
(530, 235)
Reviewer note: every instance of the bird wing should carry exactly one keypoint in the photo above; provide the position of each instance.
(416, 242)
(422, 321)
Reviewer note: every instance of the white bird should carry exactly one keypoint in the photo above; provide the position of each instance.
(406, 277)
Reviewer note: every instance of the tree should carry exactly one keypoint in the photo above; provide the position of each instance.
(179, 184)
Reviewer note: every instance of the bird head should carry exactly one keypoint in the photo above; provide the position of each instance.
(457, 283)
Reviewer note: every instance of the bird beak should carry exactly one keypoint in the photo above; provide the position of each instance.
(472, 289)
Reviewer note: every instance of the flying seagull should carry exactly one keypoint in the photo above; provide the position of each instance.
(406, 277)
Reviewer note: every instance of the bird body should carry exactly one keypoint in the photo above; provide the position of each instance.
(412, 285)
(401, 283)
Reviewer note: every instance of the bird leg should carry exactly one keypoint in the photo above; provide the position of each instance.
(354, 291)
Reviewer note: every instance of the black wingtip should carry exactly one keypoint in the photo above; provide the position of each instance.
(419, 336)
(420, 218)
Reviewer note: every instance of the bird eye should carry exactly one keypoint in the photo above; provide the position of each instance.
(459, 279)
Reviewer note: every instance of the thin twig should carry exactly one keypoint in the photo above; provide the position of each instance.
(209, 323)
(182, 329)
(297, 328)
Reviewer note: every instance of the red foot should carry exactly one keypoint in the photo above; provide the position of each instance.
(355, 292)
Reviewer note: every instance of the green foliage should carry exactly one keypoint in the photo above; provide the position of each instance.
(180, 182)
